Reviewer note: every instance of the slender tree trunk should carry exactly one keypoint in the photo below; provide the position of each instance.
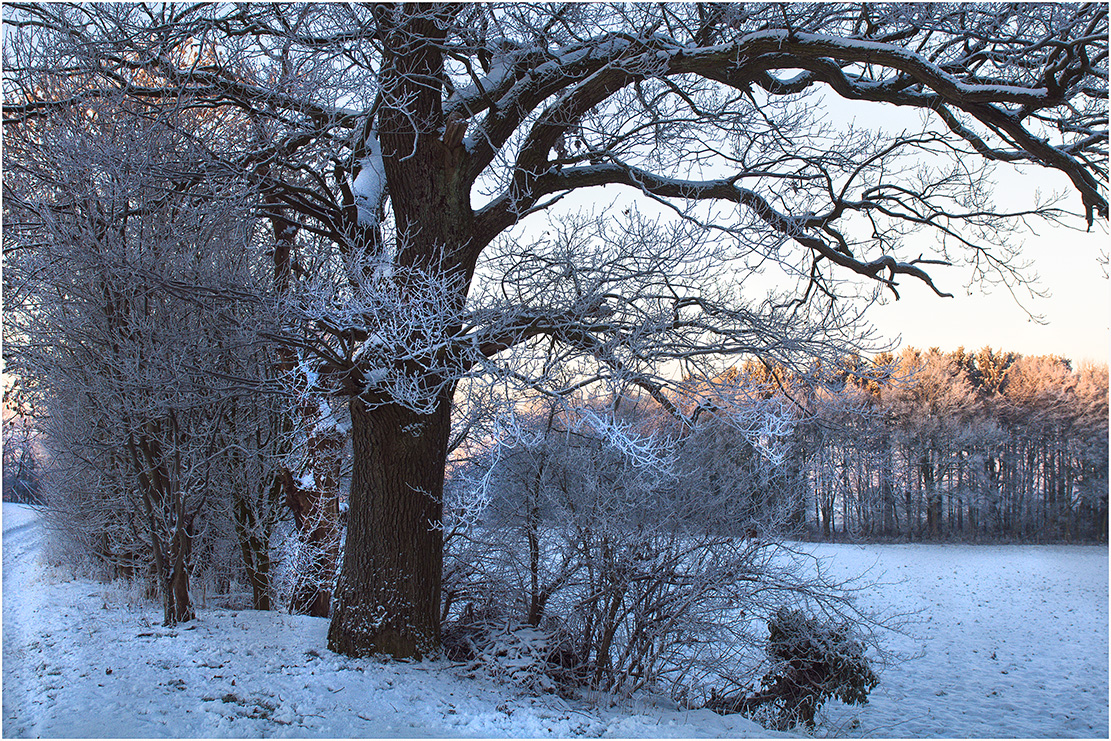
(388, 592)
(532, 529)
(908, 500)
(315, 508)
(259, 576)
(532, 532)
(933, 498)
(171, 564)
(316, 513)
(819, 526)
(846, 495)
(255, 549)
(887, 495)
(974, 499)
(182, 606)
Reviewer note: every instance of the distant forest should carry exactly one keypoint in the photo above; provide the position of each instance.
(928, 445)
(923, 445)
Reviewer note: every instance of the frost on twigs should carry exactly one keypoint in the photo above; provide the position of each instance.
(623, 550)
(527, 656)
(389, 330)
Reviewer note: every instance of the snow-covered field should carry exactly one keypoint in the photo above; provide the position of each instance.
(1012, 642)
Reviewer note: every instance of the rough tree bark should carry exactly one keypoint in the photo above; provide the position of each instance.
(388, 595)
(389, 586)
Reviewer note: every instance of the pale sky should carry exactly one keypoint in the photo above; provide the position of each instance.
(1076, 312)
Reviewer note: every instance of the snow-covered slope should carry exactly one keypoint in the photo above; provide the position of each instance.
(85, 660)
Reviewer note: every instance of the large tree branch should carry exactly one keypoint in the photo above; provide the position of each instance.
(920, 83)
(977, 102)
(502, 213)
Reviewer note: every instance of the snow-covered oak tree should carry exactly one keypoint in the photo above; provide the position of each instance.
(405, 139)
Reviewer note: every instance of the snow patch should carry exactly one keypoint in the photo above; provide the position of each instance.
(373, 341)
(373, 377)
(369, 185)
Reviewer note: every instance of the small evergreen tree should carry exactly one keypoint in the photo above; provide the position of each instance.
(814, 662)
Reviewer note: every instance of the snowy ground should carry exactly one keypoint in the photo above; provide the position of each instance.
(85, 660)
(1012, 642)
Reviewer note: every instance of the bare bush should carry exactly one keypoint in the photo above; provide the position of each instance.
(580, 525)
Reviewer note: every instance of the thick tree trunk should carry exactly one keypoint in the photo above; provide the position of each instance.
(388, 592)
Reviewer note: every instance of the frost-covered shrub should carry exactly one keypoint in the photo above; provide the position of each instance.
(126, 593)
(559, 524)
(520, 654)
(576, 523)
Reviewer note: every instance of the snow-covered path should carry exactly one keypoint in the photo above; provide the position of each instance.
(88, 660)
(20, 549)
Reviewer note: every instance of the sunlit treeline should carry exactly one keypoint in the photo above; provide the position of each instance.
(959, 445)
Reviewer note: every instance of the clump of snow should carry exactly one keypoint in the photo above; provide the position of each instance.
(373, 377)
(501, 67)
(307, 481)
(372, 342)
(306, 371)
(369, 186)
